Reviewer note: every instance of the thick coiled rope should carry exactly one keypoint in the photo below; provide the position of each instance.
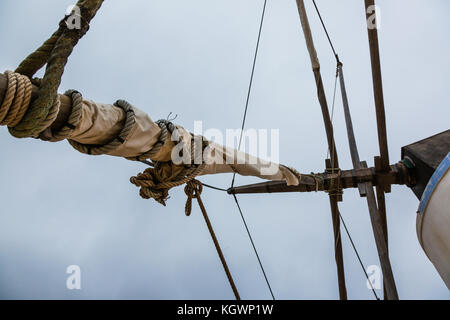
(16, 102)
(72, 122)
(54, 52)
(17, 98)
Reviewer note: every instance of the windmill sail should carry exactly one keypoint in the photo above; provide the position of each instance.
(100, 123)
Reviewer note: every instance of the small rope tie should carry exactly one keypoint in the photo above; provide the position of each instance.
(193, 190)
(335, 188)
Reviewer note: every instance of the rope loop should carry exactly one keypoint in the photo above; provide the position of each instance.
(72, 122)
(193, 190)
(17, 99)
(156, 182)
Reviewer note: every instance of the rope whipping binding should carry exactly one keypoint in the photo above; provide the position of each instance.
(244, 118)
(338, 65)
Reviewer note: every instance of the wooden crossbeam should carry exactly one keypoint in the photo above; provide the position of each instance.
(398, 175)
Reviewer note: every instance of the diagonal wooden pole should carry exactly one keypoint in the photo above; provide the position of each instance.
(377, 213)
(377, 82)
(350, 133)
(382, 162)
(363, 187)
(331, 145)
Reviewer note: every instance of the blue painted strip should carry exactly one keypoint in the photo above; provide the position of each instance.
(434, 181)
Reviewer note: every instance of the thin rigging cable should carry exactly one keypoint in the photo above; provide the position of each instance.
(240, 142)
(332, 110)
(254, 247)
(215, 188)
(326, 31)
(357, 254)
(251, 81)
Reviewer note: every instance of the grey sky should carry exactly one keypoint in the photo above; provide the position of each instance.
(193, 58)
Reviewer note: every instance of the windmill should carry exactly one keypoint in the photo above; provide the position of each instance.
(372, 183)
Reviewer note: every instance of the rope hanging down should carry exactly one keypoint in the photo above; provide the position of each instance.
(194, 190)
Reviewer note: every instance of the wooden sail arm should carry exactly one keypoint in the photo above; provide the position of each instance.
(377, 86)
(101, 123)
(398, 174)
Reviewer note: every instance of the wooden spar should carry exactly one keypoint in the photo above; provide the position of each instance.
(381, 201)
(377, 83)
(338, 246)
(334, 163)
(382, 162)
(350, 133)
(398, 174)
(368, 185)
(64, 109)
(379, 227)
(335, 195)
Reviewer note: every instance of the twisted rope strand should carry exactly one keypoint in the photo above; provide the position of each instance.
(55, 52)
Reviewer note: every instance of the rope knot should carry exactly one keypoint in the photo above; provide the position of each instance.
(193, 190)
(149, 182)
(156, 182)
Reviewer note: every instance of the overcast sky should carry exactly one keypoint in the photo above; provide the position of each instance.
(193, 58)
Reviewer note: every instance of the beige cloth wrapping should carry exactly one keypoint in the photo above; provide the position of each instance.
(101, 123)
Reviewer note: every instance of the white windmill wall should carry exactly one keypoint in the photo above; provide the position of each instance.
(433, 220)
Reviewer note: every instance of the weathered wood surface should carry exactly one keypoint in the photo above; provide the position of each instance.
(377, 86)
(398, 174)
